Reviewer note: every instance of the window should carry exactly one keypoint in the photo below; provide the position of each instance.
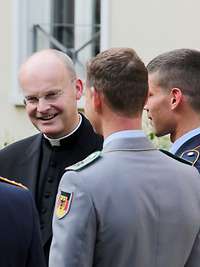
(72, 26)
(76, 25)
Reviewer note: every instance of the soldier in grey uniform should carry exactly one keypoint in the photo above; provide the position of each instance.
(173, 106)
(129, 205)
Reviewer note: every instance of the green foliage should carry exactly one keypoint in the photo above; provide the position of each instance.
(151, 136)
(159, 142)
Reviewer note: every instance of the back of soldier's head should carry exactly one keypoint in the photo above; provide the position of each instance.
(122, 77)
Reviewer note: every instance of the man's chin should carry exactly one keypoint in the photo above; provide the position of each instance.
(158, 134)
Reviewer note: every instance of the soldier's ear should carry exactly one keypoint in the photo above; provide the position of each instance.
(97, 99)
(176, 97)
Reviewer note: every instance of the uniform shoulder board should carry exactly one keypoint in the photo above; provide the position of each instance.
(176, 157)
(191, 155)
(79, 165)
(5, 180)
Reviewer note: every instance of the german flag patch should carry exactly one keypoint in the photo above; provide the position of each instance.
(63, 204)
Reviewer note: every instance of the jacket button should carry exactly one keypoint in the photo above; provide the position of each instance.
(53, 164)
(43, 210)
(47, 195)
(50, 180)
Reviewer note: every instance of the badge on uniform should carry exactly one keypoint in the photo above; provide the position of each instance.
(63, 204)
(191, 155)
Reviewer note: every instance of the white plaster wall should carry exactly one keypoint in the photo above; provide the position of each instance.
(13, 120)
(155, 26)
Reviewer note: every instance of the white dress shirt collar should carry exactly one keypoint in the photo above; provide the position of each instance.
(56, 141)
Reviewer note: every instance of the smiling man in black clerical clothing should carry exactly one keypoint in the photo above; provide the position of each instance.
(51, 90)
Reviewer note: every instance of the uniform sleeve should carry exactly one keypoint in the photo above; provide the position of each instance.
(194, 258)
(74, 225)
(36, 256)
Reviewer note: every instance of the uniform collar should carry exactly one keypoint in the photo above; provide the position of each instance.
(123, 134)
(184, 138)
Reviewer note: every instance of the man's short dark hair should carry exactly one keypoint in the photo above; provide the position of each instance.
(122, 77)
(179, 68)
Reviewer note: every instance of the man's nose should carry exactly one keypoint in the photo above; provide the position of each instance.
(43, 105)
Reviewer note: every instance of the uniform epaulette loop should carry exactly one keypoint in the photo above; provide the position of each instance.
(79, 165)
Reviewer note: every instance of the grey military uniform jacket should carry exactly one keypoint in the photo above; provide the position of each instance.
(132, 206)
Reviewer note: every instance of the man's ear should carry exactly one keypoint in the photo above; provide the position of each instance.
(79, 89)
(176, 98)
(97, 99)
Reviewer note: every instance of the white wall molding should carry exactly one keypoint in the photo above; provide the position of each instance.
(105, 24)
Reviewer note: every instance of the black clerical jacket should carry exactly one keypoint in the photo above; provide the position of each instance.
(20, 161)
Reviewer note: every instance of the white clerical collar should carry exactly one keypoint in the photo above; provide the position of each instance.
(56, 141)
(181, 140)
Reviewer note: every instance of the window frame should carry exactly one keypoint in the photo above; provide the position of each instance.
(22, 37)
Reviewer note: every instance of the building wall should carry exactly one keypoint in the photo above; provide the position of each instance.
(153, 27)
(14, 123)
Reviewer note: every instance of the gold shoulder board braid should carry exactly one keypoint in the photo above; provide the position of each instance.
(5, 180)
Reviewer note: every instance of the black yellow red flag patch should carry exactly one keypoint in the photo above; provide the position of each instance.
(63, 204)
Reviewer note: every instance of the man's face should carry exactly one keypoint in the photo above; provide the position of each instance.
(158, 108)
(50, 98)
